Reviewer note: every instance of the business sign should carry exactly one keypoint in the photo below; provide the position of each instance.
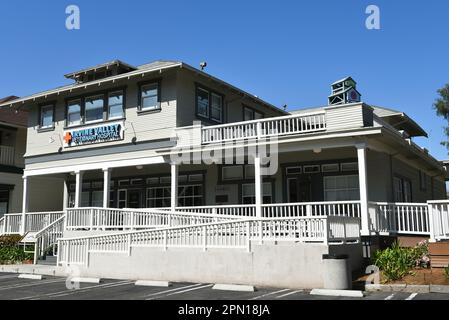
(94, 134)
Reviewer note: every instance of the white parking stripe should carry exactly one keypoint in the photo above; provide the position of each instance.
(269, 294)
(106, 286)
(171, 290)
(289, 294)
(182, 291)
(412, 296)
(37, 297)
(29, 284)
(390, 297)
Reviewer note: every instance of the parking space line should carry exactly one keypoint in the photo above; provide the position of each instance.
(412, 296)
(181, 291)
(269, 294)
(29, 284)
(289, 294)
(105, 286)
(171, 290)
(51, 294)
(390, 297)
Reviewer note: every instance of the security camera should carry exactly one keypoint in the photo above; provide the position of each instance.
(203, 65)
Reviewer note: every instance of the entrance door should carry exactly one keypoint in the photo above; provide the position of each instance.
(299, 189)
(134, 199)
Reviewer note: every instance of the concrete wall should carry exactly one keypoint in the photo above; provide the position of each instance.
(293, 266)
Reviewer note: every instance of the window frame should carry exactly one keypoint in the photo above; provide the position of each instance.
(40, 121)
(156, 82)
(108, 107)
(210, 92)
(253, 112)
(82, 99)
(346, 189)
(93, 98)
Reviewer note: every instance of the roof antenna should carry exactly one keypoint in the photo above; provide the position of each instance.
(203, 65)
(285, 107)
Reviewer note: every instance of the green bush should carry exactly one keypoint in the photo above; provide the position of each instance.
(397, 262)
(9, 241)
(446, 272)
(11, 255)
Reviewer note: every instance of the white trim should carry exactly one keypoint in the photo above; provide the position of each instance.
(95, 166)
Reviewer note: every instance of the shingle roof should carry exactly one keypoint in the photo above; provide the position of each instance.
(9, 116)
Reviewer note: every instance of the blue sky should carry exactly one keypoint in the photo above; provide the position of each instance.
(286, 52)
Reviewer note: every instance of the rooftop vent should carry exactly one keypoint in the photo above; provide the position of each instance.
(344, 91)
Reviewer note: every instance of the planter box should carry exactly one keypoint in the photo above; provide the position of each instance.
(439, 254)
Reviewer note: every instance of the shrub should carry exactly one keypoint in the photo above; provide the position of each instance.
(446, 272)
(9, 241)
(396, 262)
(11, 255)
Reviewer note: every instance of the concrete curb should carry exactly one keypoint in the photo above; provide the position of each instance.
(30, 276)
(439, 288)
(337, 293)
(149, 283)
(233, 287)
(408, 288)
(86, 280)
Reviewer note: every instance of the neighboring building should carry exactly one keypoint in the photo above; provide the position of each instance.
(13, 128)
(111, 140)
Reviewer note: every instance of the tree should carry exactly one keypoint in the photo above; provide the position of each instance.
(441, 105)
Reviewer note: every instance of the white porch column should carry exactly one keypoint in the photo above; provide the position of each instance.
(65, 196)
(363, 185)
(174, 186)
(24, 205)
(79, 188)
(106, 187)
(258, 185)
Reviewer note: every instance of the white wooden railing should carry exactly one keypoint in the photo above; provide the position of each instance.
(36, 221)
(281, 210)
(278, 126)
(399, 218)
(11, 224)
(439, 219)
(47, 238)
(237, 234)
(134, 219)
(7, 155)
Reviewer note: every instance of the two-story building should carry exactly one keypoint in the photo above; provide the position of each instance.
(122, 140)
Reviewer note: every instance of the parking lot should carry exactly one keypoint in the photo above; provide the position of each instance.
(52, 288)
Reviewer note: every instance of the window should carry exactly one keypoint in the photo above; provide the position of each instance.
(341, 188)
(74, 113)
(422, 181)
(402, 190)
(294, 170)
(312, 169)
(209, 105)
(85, 199)
(326, 168)
(115, 105)
(46, 117)
(97, 199)
(250, 172)
(158, 197)
(352, 166)
(232, 173)
(216, 107)
(188, 196)
(249, 193)
(4, 201)
(149, 97)
(250, 114)
(94, 109)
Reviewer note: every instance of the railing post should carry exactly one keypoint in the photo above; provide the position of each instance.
(59, 253)
(129, 244)
(260, 227)
(87, 252)
(431, 217)
(92, 212)
(132, 219)
(248, 236)
(309, 210)
(327, 230)
(259, 130)
(165, 240)
(363, 184)
(36, 250)
(204, 238)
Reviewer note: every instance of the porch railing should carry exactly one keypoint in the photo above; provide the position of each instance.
(34, 221)
(11, 224)
(7, 155)
(237, 234)
(133, 219)
(295, 124)
(46, 239)
(281, 210)
(439, 224)
(400, 218)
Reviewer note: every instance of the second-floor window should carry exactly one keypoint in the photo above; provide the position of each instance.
(150, 97)
(105, 106)
(94, 109)
(251, 114)
(209, 105)
(46, 117)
